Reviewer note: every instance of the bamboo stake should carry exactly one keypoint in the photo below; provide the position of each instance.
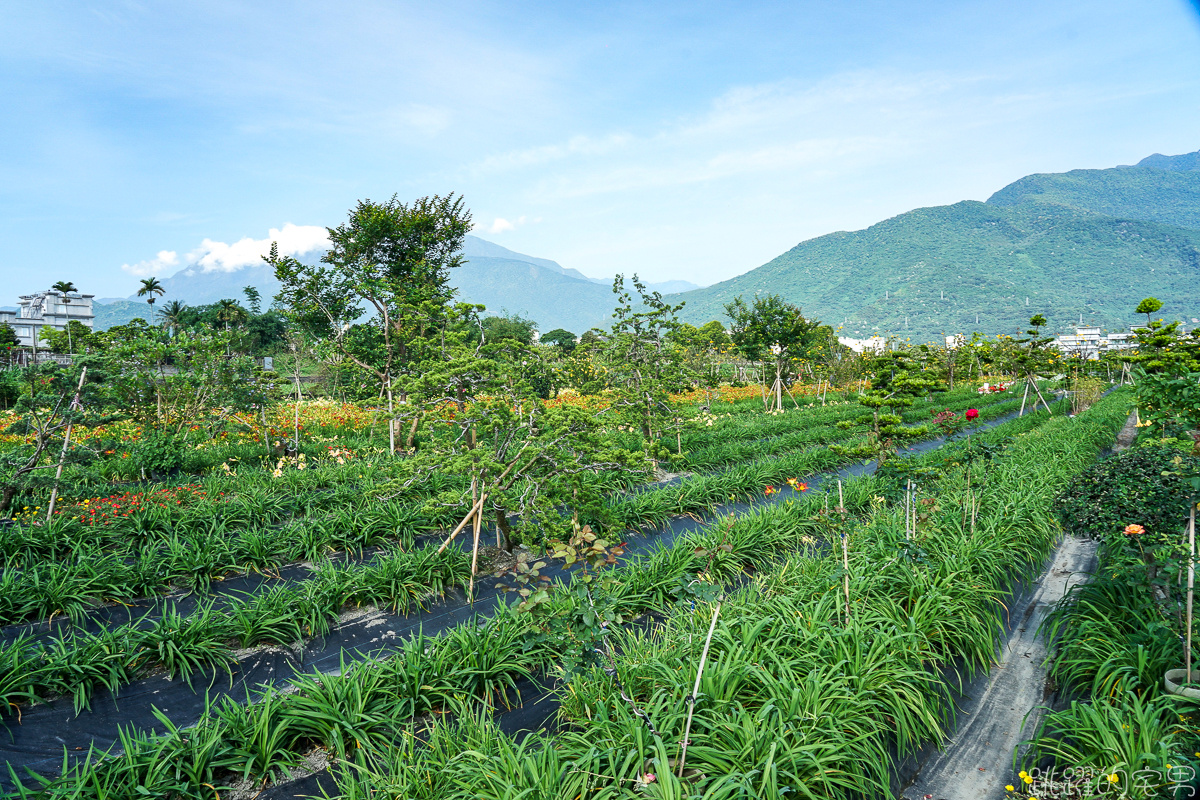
(687, 730)
(789, 391)
(470, 515)
(475, 546)
(66, 442)
(1190, 586)
(1039, 394)
(907, 491)
(845, 552)
(1021, 413)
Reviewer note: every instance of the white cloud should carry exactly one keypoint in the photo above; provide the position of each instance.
(293, 240)
(163, 261)
(500, 225)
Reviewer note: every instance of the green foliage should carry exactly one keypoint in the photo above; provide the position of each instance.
(513, 327)
(75, 338)
(1137, 486)
(564, 340)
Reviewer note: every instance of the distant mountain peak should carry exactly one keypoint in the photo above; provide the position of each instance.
(1188, 162)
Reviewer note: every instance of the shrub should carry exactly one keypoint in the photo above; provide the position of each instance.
(1140, 486)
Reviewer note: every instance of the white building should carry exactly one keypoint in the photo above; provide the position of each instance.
(875, 344)
(50, 309)
(1087, 342)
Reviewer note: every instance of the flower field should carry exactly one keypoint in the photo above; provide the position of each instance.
(829, 617)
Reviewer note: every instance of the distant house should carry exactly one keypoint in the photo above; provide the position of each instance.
(49, 309)
(875, 344)
(1087, 342)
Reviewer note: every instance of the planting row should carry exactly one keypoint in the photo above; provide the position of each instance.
(803, 692)
(670, 574)
(59, 569)
(77, 663)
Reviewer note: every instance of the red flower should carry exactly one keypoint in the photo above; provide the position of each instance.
(972, 414)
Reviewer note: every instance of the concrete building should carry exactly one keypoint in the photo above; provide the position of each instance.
(875, 344)
(1087, 342)
(49, 309)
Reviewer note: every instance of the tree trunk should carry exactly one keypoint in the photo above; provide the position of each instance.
(6, 498)
(410, 443)
(391, 418)
(503, 529)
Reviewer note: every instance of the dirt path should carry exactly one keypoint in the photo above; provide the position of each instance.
(977, 761)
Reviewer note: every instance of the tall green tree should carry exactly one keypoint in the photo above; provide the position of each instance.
(774, 331)
(66, 287)
(254, 298)
(640, 366)
(150, 288)
(172, 315)
(230, 313)
(393, 258)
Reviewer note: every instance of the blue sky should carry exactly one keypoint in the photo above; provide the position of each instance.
(677, 140)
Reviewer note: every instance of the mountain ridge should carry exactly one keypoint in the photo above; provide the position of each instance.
(505, 281)
(1085, 242)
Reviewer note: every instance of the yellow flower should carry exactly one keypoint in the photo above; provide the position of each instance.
(1113, 778)
(1027, 779)
(1009, 788)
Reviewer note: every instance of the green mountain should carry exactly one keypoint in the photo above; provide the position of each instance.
(1087, 244)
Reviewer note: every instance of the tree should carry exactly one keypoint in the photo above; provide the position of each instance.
(230, 313)
(172, 315)
(62, 341)
(1148, 306)
(150, 287)
(508, 326)
(52, 400)
(254, 298)
(773, 330)
(560, 338)
(394, 257)
(66, 287)
(1034, 357)
(639, 365)
(8, 336)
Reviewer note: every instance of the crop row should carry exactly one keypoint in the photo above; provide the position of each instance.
(373, 710)
(795, 699)
(79, 663)
(158, 553)
(719, 455)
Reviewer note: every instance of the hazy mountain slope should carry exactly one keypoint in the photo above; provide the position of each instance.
(499, 278)
(551, 299)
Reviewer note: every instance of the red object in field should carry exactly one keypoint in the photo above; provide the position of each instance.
(972, 413)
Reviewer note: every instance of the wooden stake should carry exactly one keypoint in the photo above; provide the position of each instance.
(475, 546)
(687, 730)
(845, 552)
(1021, 413)
(1039, 394)
(907, 492)
(463, 524)
(66, 442)
(1191, 583)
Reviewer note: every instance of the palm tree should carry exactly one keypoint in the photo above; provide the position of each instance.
(65, 287)
(150, 286)
(229, 312)
(172, 315)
